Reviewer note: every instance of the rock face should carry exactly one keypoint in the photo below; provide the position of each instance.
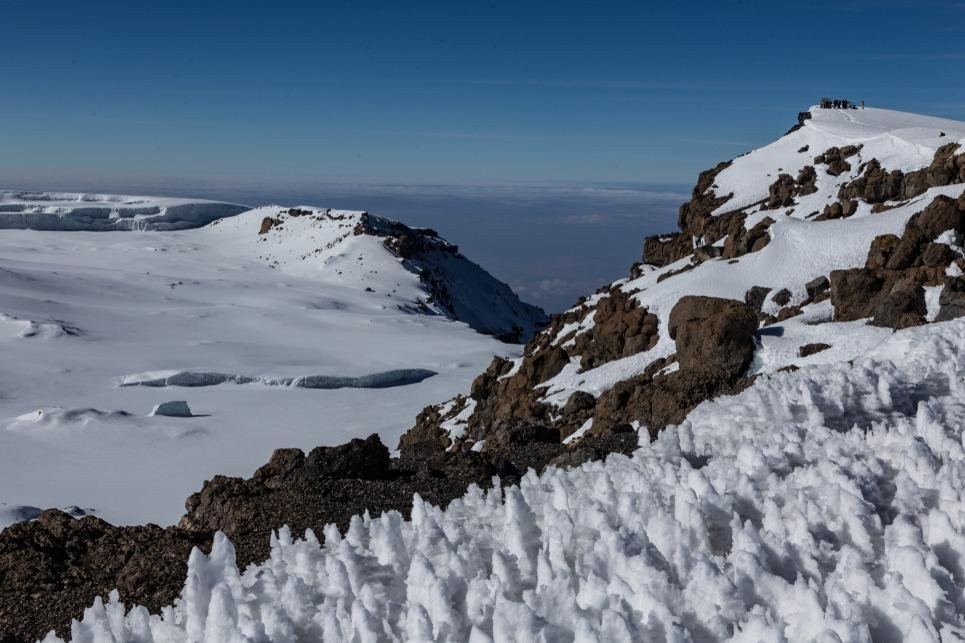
(890, 287)
(177, 409)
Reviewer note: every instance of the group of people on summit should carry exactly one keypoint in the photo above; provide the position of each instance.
(838, 103)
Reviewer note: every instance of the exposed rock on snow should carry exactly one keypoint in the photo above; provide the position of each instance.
(890, 288)
(76, 211)
(177, 409)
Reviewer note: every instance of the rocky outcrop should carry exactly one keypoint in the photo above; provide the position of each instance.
(621, 328)
(267, 224)
(876, 185)
(663, 249)
(834, 158)
(781, 193)
(889, 288)
(703, 201)
(715, 340)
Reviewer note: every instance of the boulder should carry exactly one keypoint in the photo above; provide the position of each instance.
(811, 349)
(267, 224)
(713, 335)
(882, 247)
(755, 296)
(782, 297)
(901, 307)
(366, 459)
(817, 287)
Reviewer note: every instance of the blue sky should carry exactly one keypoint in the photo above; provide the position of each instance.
(453, 92)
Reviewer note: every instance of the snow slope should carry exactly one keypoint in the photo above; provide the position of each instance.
(824, 504)
(81, 314)
(413, 269)
(96, 212)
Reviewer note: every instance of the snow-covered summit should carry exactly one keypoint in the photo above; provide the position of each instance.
(848, 226)
(898, 140)
(412, 269)
(80, 211)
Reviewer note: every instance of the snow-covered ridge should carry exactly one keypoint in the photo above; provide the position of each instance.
(750, 235)
(410, 269)
(101, 212)
(824, 504)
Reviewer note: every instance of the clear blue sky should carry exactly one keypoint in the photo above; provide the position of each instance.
(446, 92)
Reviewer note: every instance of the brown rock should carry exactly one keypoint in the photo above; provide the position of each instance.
(901, 307)
(811, 349)
(621, 328)
(267, 224)
(755, 296)
(882, 247)
(782, 297)
(367, 459)
(854, 293)
(817, 287)
(713, 334)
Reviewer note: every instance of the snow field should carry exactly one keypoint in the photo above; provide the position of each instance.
(825, 504)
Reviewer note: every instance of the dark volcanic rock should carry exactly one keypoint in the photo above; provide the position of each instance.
(52, 568)
(267, 224)
(713, 334)
(755, 296)
(811, 349)
(854, 293)
(952, 300)
(834, 158)
(663, 249)
(621, 328)
(817, 287)
(367, 459)
(782, 297)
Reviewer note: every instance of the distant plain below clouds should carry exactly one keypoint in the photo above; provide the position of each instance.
(551, 243)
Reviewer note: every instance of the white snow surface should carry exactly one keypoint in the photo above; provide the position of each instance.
(80, 313)
(826, 504)
(100, 212)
